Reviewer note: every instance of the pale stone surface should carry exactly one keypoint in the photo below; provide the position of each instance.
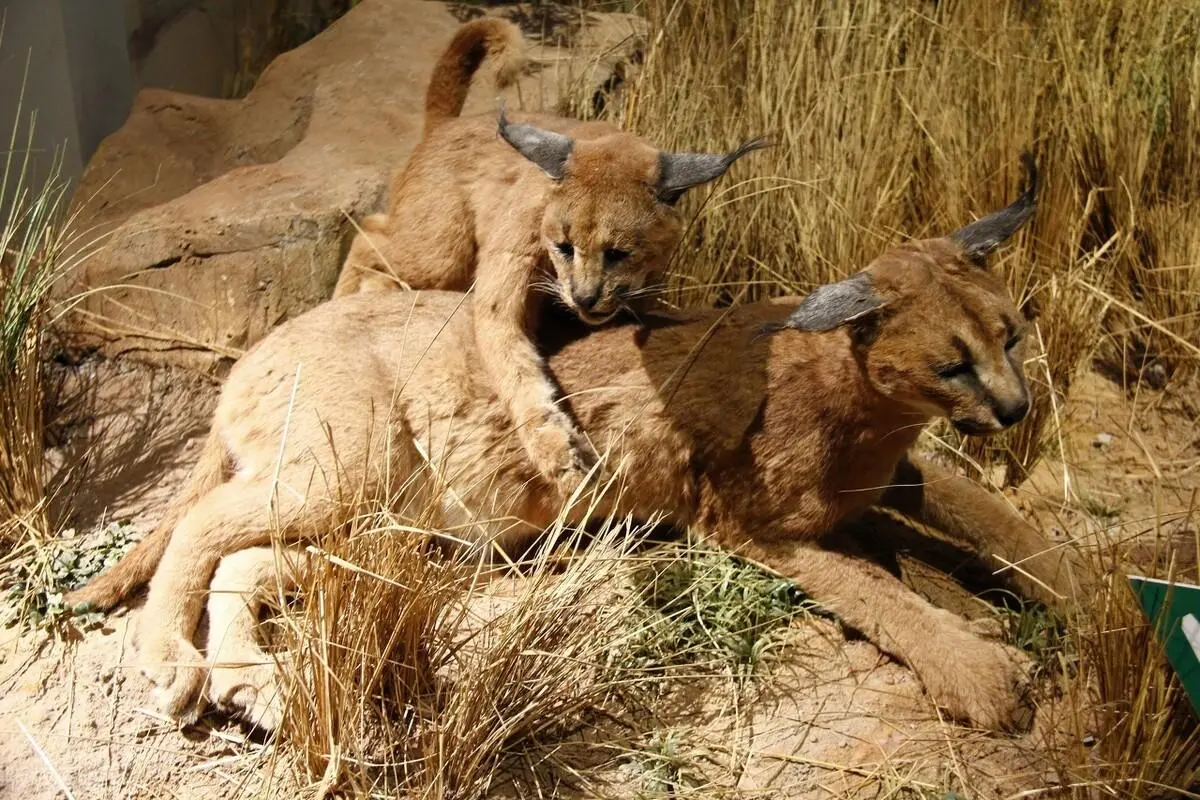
(222, 218)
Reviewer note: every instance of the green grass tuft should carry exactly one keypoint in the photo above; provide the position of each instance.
(705, 607)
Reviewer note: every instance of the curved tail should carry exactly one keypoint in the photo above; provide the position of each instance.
(475, 41)
(137, 566)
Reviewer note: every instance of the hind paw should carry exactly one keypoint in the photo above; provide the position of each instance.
(251, 692)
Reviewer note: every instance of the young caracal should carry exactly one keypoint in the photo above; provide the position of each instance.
(527, 210)
(769, 441)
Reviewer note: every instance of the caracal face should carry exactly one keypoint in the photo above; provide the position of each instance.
(961, 335)
(606, 232)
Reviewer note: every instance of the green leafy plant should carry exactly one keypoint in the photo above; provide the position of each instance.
(35, 584)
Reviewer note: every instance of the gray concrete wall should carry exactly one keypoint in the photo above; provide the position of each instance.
(35, 82)
(81, 78)
(88, 58)
(185, 45)
(78, 86)
(101, 76)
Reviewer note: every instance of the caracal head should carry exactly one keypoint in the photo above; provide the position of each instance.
(611, 220)
(935, 329)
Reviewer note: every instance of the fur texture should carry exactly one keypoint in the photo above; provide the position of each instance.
(525, 211)
(768, 441)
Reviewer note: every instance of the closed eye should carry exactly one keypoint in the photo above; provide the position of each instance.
(566, 248)
(954, 370)
(614, 256)
(1012, 342)
(963, 367)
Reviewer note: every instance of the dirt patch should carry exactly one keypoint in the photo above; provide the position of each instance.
(123, 436)
(1130, 474)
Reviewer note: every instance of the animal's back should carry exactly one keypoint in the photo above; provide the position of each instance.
(337, 372)
(465, 155)
(660, 398)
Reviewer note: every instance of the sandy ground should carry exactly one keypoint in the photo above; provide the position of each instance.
(834, 718)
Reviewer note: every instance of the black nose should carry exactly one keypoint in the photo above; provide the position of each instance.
(1012, 413)
(587, 301)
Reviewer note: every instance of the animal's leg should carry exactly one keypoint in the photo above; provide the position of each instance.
(368, 266)
(990, 527)
(242, 678)
(418, 244)
(231, 517)
(503, 310)
(973, 679)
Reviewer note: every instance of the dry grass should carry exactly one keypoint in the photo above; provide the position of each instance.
(890, 120)
(439, 677)
(33, 241)
(1147, 741)
(898, 119)
(418, 669)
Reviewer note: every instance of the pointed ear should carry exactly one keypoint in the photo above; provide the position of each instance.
(834, 304)
(547, 149)
(985, 234)
(679, 172)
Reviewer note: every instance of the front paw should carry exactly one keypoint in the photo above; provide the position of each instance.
(177, 670)
(558, 451)
(977, 681)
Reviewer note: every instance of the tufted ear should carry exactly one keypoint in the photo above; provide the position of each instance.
(547, 149)
(985, 234)
(834, 304)
(679, 172)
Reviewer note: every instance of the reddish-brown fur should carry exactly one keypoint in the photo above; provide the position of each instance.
(768, 442)
(470, 210)
(451, 79)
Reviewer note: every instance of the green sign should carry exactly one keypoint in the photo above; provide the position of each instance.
(1174, 609)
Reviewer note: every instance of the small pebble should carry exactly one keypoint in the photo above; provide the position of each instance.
(1102, 440)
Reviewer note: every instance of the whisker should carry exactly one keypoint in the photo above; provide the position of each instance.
(551, 288)
(628, 309)
(554, 290)
(645, 291)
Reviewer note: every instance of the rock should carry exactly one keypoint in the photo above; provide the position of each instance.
(219, 219)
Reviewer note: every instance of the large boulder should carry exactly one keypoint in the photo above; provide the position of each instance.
(218, 219)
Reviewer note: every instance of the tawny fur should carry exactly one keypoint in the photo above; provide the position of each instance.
(241, 675)
(451, 79)
(469, 209)
(212, 469)
(768, 442)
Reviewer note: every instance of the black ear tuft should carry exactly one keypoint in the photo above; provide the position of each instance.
(679, 172)
(834, 304)
(547, 149)
(984, 235)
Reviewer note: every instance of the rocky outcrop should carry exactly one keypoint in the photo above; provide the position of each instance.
(218, 219)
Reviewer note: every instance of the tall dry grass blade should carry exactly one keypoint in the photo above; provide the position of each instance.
(32, 243)
(899, 119)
